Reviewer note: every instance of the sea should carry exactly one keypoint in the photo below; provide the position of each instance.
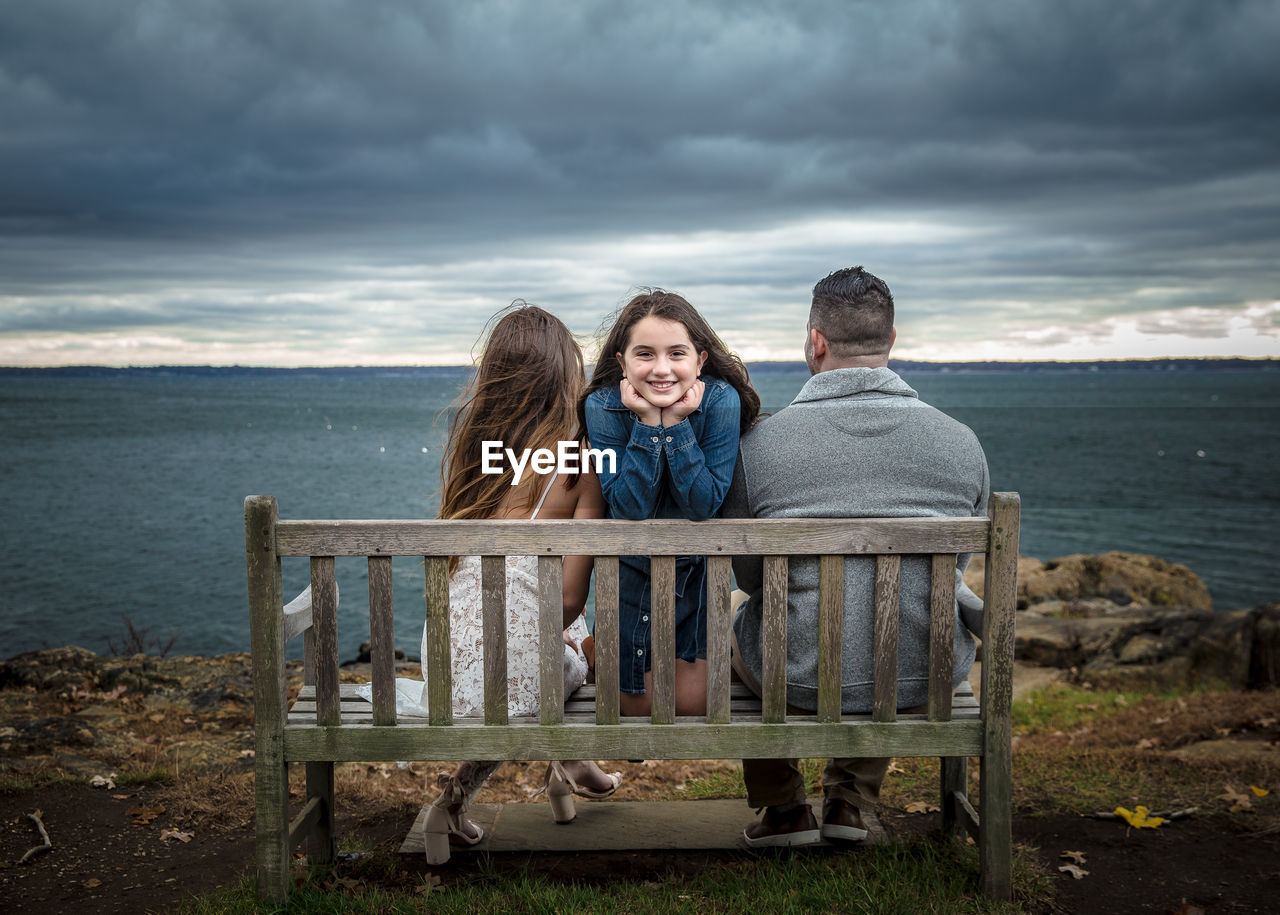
(121, 493)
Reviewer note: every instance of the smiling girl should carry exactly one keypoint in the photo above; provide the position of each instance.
(671, 401)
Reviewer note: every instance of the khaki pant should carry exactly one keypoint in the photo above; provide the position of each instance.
(773, 782)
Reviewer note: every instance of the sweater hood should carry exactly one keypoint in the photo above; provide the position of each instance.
(851, 382)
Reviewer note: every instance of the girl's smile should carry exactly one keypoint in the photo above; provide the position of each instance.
(660, 360)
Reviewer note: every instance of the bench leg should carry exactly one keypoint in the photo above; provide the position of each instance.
(955, 782)
(995, 836)
(322, 841)
(271, 796)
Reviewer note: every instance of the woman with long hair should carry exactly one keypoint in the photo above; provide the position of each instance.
(670, 400)
(523, 394)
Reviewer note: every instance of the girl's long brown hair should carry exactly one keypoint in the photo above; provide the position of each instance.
(523, 394)
(671, 307)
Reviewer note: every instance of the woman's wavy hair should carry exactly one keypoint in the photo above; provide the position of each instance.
(670, 307)
(523, 393)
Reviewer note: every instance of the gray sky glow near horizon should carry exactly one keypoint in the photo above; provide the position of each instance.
(334, 183)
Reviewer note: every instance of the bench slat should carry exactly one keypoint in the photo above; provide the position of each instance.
(662, 619)
(942, 634)
(638, 739)
(493, 596)
(382, 640)
(666, 537)
(606, 639)
(884, 689)
(551, 630)
(439, 650)
(831, 641)
(324, 609)
(719, 637)
(773, 638)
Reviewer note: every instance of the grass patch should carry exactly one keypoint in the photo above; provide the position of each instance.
(149, 777)
(925, 875)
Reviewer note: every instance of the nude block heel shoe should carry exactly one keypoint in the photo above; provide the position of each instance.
(560, 793)
(447, 824)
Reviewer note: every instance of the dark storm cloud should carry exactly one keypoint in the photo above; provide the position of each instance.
(1100, 147)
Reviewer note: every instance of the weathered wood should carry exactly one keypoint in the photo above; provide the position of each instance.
(382, 640)
(884, 688)
(309, 655)
(968, 818)
(687, 738)
(551, 639)
(662, 654)
(297, 615)
(719, 638)
(609, 537)
(493, 595)
(995, 779)
(773, 638)
(606, 640)
(942, 634)
(831, 640)
(439, 649)
(954, 785)
(266, 625)
(301, 825)
(324, 609)
(321, 843)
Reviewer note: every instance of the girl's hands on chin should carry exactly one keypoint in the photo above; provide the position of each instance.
(689, 401)
(631, 399)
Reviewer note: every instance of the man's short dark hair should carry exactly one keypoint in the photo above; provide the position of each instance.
(854, 310)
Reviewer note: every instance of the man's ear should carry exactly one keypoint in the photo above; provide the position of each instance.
(893, 337)
(818, 343)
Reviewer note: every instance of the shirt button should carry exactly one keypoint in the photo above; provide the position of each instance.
(668, 438)
(645, 618)
(655, 438)
(639, 651)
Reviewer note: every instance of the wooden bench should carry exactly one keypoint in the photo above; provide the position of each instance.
(327, 726)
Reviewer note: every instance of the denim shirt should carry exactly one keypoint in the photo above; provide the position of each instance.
(680, 471)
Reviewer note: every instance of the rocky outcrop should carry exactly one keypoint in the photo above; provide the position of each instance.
(1122, 579)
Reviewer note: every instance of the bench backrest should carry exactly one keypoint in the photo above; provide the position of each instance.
(831, 540)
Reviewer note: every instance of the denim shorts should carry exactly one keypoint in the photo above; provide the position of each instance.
(634, 629)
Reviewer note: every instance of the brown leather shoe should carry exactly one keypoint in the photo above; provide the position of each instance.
(842, 821)
(774, 829)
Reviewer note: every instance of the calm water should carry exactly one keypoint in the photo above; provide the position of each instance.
(123, 496)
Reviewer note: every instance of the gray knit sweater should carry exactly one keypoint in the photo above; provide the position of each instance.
(856, 443)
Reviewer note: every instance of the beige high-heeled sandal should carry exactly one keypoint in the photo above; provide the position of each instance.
(561, 788)
(447, 822)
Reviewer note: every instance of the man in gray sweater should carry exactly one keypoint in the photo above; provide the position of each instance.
(856, 442)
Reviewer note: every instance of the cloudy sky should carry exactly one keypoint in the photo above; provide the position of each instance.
(365, 181)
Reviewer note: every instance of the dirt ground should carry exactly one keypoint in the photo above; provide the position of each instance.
(110, 854)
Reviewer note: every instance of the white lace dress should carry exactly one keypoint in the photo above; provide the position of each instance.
(466, 631)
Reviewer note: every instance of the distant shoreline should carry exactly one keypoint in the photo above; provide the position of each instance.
(1207, 364)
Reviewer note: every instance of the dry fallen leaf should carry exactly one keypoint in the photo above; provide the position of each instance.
(92, 882)
(1078, 872)
(103, 781)
(144, 815)
(1076, 856)
(1138, 817)
(184, 837)
(1147, 743)
(1238, 800)
(922, 807)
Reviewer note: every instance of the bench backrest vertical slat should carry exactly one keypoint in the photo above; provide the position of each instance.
(662, 649)
(719, 638)
(995, 780)
(382, 640)
(884, 689)
(606, 639)
(773, 637)
(831, 625)
(493, 602)
(324, 610)
(439, 651)
(551, 632)
(266, 629)
(942, 634)
(309, 656)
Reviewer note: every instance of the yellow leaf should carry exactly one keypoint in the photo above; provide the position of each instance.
(1138, 819)
(1258, 792)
